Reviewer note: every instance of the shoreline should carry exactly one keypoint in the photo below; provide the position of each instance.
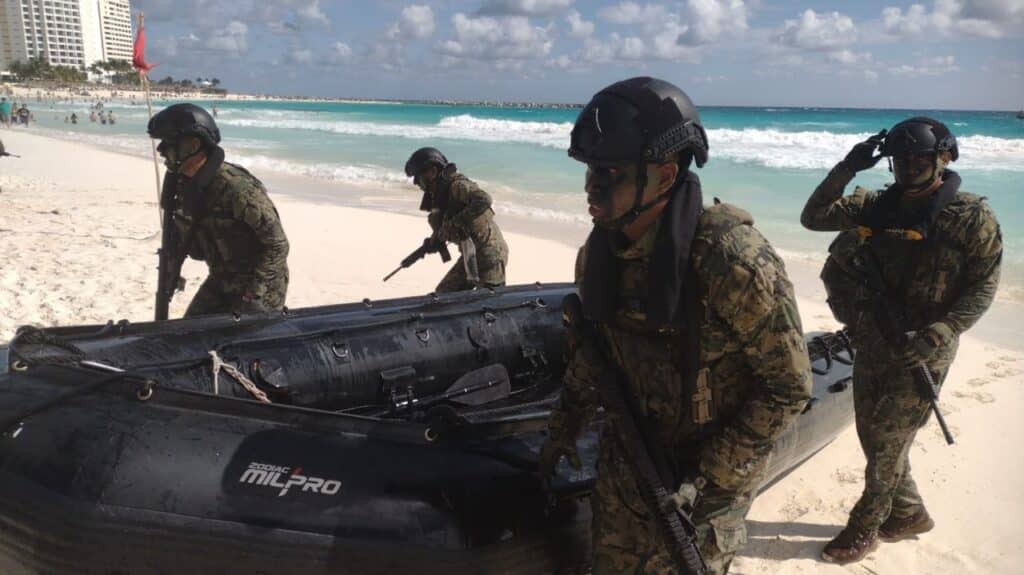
(78, 230)
(243, 97)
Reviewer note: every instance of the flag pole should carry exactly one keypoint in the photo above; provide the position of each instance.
(144, 80)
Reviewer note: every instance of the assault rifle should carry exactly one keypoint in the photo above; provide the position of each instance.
(169, 278)
(892, 323)
(649, 467)
(430, 245)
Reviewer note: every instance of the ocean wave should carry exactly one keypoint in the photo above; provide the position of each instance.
(461, 127)
(816, 150)
(350, 174)
(772, 148)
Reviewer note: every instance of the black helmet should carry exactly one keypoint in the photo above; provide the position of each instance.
(422, 158)
(638, 120)
(184, 120)
(919, 135)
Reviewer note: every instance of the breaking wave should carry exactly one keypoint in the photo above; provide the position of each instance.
(772, 148)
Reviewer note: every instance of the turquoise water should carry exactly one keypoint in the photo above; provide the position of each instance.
(767, 160)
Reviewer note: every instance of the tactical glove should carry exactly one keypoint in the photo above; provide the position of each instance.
(689, 493)
(924, 343)
(555, 448)
(862, 156)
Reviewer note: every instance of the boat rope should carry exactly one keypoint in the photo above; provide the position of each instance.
(219, 364)
(31, 335)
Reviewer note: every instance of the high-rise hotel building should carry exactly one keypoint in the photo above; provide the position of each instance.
(65, 32)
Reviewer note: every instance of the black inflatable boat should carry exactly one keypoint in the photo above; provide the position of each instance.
(397, 436)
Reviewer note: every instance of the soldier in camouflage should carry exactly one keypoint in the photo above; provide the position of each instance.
(939, 250)
(694, 308)
(460, 212)
(223, 216)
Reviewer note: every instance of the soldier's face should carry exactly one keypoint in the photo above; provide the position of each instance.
(425, 179)
(914, 169)
(610, 191)
(174, 152)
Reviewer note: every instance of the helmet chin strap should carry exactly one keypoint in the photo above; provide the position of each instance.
(639, 207)
(179, 158)
(931, 184)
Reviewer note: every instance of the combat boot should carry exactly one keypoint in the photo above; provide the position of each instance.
(852, 544)
(897, 529)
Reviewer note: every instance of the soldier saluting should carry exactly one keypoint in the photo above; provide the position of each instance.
(934, 252)
(461, 213)
(694, 311)
(219, 213)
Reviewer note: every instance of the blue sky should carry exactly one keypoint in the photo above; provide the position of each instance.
(959, 54)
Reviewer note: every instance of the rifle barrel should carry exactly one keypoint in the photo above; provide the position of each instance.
(928, 387)
(390, 275)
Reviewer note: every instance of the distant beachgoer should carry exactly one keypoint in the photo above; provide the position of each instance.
(92, 116)
(935, 250)
(103, 118)
(110, 117)
(239, 235)
(74, 118)
(214, 109)
(460, 212)
(24, 116)
(5, 113)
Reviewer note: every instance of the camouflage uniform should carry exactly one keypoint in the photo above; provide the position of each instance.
(241, 240)
(754, 360)
(948, 279)
(462, 211)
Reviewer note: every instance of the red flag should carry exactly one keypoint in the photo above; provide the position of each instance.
(139, 52)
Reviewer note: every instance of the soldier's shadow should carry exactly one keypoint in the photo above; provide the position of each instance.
(787, 540)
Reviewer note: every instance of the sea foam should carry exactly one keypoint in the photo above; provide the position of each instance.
(772, 148)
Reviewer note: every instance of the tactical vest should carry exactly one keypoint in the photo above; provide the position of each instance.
(684, 406)
(227, 244)
(926, 275)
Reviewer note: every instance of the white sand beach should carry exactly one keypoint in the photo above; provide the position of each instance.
(79, 233)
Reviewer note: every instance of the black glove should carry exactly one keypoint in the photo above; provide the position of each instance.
(553, 450)
(862, 156)
(432, 244)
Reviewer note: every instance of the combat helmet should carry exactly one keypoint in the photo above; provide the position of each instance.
(179, 120)
(919, 135)
(423, 158)
(638, 120)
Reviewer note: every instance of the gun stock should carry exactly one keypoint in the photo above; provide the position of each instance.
(676, 529)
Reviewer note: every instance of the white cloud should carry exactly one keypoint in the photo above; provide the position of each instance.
(629, 12)
(310, 12)
(417, 21)
(667, 33)
(303, 56)
(578, 27)
(523, 7)
(339, 53)
(818, 32)
(933, 67)
(984, 18)
(714, 18)
(497, 39)
(562, 62)
(233, 39)
(850, 58)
